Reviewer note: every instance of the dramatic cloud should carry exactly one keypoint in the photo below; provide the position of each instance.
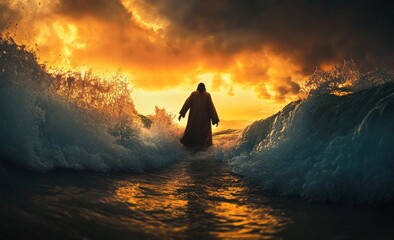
(8, 16)
(266, 46)
(106, 10)
(289, 87)
(312, 33)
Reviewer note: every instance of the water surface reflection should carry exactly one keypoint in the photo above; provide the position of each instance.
(198, 198)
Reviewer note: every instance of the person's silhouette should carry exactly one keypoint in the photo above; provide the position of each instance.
(198, 132)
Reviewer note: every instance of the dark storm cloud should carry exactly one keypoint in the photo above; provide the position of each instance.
(287, 86)
(309, 32)
(112, 10)
(8, 16)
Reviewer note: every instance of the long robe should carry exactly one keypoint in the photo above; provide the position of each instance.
(198, 132)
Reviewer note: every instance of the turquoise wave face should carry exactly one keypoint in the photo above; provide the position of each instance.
(43, 127)
(326, 147)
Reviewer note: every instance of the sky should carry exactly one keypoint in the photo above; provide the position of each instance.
(252, 55)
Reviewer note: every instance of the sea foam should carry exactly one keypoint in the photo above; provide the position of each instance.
(336, 147)
(334, 144)
(51, 121)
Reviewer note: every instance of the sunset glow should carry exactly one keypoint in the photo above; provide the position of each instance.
(196, 119)
(161, 67)
(164, 51)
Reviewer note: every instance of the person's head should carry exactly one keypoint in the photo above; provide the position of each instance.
(201, 87)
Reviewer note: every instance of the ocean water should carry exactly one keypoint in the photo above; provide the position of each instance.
(197, 198)
(73, 121)
(77, 161)
(324, 148)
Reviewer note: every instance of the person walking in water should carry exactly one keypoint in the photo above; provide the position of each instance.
(198, 132)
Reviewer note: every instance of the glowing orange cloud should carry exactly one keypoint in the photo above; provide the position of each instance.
(249, 84)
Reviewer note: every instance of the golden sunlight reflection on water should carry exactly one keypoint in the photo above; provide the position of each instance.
(199, 195)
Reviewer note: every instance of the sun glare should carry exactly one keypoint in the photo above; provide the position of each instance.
(68, 33)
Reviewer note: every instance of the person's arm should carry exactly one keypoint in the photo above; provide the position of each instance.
(212, 112)
(185, 108)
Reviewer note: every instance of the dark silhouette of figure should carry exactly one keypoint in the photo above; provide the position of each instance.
(198, 132)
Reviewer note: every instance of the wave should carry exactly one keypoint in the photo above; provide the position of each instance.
(335, 147)
(75, 121)
(335, 144)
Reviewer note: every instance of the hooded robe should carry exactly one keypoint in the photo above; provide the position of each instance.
(198, 132)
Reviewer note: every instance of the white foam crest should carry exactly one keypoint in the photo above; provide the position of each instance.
(43, 129)
(325, 147)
